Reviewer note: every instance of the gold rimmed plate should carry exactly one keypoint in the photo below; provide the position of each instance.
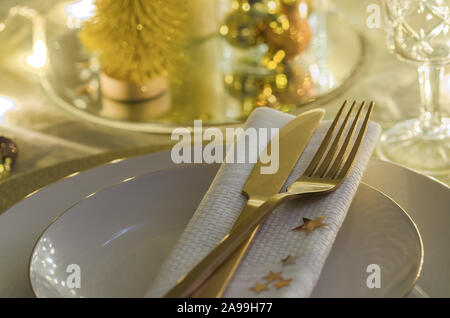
(118, 237)
(22, 220)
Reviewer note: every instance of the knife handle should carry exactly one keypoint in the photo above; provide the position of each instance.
(216, 284)
(188, 284)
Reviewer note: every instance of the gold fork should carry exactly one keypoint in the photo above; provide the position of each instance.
(324, 174)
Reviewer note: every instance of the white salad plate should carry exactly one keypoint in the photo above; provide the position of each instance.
(119, 237)
(425, 200)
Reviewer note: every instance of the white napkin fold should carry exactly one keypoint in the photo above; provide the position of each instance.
(275, 239)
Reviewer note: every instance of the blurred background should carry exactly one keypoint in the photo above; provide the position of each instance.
(55, 107)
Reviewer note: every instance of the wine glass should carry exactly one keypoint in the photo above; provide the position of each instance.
(418, 31)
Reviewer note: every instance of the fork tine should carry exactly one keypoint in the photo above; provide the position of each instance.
(334, 147)
(340, 157)
(323, 146)
(349, 161)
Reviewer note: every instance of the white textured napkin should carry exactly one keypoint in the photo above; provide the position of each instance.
(275, 239)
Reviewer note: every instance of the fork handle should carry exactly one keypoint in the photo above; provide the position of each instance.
(188, 284)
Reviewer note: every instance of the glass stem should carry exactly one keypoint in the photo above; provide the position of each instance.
(430, 77)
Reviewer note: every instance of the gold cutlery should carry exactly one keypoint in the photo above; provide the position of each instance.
(216, 284)
(293, 138)
(325, 173)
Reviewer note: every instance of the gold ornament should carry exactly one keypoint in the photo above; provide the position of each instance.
(241, 27)
(299, 85)
(310, 225)
(272, 276)
(257, 288)
(288, 260)
(283, 283)
(287, 30)
(282, 26)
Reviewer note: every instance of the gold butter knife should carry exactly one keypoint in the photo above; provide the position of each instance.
(293, 138)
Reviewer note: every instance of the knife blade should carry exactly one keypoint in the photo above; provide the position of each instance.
(293, 138)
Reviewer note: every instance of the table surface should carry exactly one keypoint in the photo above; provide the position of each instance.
(48, 136)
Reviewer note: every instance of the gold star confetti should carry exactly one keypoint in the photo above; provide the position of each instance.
(272, 276)
(288, 260)
(283, 283)
(257, 288)
(310, 225)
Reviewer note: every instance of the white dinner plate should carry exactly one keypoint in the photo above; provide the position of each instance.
(120, 236)
(425, 200)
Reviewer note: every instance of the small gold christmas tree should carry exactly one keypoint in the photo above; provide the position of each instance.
(137, 40)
